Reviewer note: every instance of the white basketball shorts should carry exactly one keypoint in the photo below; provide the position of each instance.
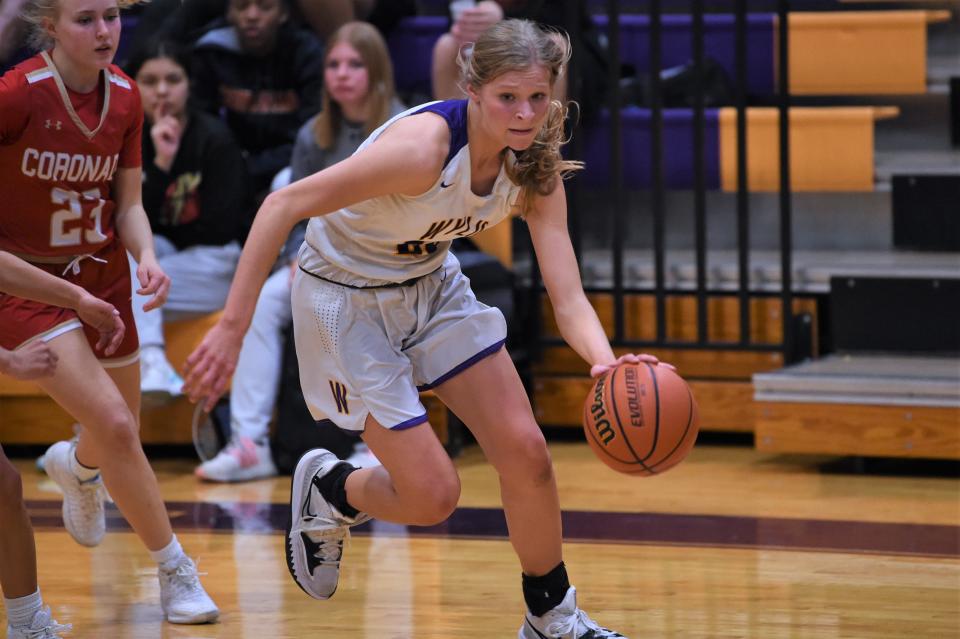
(369, 351)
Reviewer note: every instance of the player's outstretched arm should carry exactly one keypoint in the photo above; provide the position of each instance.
(22, 279)
(576, 317)
(407, 160)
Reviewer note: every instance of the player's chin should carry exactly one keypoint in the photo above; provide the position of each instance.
(103, 57)
(520, 140)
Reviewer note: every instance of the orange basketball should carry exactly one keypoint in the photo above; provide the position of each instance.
(640, 419)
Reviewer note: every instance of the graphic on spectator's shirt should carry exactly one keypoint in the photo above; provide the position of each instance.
(181, 205)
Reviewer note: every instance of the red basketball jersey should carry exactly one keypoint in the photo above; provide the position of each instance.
(59, 151)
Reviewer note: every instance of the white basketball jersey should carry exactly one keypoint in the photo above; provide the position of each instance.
(394, 238)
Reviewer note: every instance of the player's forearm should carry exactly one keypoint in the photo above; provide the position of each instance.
(133, 229)
(270, 229)
(581, 329)
(22, 279)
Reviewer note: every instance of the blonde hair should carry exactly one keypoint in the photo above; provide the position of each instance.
(515, 45)
(367, 41)
(35, 11)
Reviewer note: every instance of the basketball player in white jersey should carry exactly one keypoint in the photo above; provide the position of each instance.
(381, 309)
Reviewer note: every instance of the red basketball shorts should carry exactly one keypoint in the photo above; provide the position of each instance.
(105, 275)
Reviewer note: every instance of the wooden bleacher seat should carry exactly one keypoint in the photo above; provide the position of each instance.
(831, 148)
(868, 405)
(720, 380)
(860, 52)
(831, 52)
(28, 416)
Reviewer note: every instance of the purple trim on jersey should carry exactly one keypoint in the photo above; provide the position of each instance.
(455, 113)
(489, 350)
(410, 423)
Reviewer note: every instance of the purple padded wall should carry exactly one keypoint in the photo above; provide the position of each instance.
(411, 49)
(677, 149)
(719, 42)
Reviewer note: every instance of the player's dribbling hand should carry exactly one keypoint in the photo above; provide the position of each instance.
(600, 369)
(34, 360)
(211, 364)
(153, 281)
(103, 317)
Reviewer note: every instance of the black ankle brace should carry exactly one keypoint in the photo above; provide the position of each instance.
(543, 594)
(333, 486)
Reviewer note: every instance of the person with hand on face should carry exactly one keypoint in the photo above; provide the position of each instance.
(26, 614)
(382, 310)
(194, 195)
(70, 126)
(358, 97)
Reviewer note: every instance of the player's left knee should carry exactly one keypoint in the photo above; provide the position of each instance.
(530, 458)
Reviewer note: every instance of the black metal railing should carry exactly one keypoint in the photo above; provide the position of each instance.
(623, 217)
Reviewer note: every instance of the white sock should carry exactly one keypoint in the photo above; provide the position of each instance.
(20, 611)
(153, 352)
(168, 556)
(81, 472)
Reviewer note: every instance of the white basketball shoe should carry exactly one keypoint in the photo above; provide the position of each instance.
(566, 621)
(83, 511)
(182, 596)
(240, 460)
(43, 626)
(314, 543)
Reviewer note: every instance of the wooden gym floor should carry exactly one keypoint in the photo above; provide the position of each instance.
(731, 543)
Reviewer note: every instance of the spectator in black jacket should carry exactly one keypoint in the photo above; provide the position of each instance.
(264, 76)
(193, 192)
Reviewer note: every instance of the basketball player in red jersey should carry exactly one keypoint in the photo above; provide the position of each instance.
(26, 614)
(70, 126)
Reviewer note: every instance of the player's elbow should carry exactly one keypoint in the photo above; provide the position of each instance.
(281, 205)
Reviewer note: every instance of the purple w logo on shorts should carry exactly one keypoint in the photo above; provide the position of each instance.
(340, 396)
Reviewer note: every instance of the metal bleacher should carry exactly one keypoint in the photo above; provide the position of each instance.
(753, 286)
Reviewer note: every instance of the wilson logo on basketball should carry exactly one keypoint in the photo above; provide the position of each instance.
(635, 390)
(640, 419)
(600, 422)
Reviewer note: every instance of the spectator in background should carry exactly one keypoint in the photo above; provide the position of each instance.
(467, 25)
(358, 97)
(186, 22)
(12, 30)
(264, 76)
(194, 197)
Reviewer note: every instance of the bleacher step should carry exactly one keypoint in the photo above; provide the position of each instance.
(882, 380)
(867, 405)
(812, 269)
